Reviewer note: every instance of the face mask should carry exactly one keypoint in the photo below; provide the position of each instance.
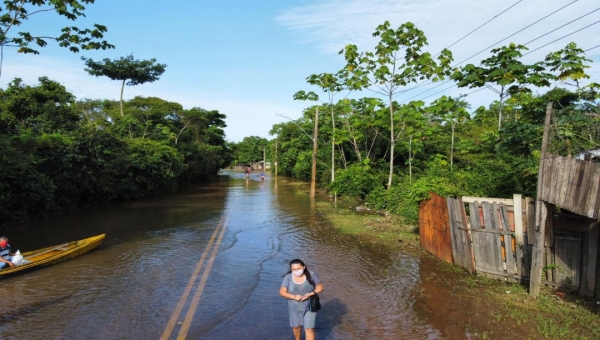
(298, 272)
(3, 244)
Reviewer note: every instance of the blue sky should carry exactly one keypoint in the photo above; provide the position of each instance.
(248, 58)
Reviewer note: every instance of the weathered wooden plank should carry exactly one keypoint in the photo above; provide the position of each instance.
(474, 216)
(537, 254)
(468, 237)
(456, 233)
(518, 216)
(547, 174)
(567, 262)
(511, 267)
(565, 179)
(484, 243)
(597, 204)
(590, 205)
(469, 199)
(584, 188)
(530, 218)
(491, 215)
(576, 184)
(590, 257)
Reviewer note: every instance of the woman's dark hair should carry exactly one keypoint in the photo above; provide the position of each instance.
(306, 271)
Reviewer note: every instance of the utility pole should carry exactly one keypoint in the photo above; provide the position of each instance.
(313, 177)
(264, 162)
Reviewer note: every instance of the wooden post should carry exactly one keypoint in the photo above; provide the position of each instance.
(313, 177)
(535, 279)
(530, 219)
(519, 237)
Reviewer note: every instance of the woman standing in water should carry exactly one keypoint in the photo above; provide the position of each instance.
(298, 285)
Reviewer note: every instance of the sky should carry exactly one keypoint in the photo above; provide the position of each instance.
(248, 58)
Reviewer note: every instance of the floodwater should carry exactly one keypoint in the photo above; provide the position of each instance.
(207, 263)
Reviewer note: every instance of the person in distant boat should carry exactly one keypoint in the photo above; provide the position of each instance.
(248, 169)
(5, 253)
(262, 175)
(298, 285)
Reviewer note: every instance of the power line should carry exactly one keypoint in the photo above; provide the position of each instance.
(591, 48)
(519, 31)
(480, 26)
(564, 36)
(476, 54)
(568, 23)
(466, 35)
(422, 85)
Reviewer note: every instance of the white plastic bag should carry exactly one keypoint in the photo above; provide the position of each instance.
(17, 259)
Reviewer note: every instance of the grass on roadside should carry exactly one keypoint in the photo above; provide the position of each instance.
(390, 231)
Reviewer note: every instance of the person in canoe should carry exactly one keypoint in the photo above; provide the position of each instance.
(5, 254)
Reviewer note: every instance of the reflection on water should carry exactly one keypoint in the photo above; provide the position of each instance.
(129, 287)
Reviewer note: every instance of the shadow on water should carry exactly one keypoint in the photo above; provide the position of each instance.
(332, 313)
(11, 314)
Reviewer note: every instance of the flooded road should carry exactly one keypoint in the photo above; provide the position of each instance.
(207, 264)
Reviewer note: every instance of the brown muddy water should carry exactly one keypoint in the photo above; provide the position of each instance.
(165, 272)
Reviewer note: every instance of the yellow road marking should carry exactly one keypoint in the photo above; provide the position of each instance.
(173, 320)
(194, 305)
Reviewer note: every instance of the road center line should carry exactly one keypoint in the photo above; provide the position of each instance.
(194, 304)
(173, 320)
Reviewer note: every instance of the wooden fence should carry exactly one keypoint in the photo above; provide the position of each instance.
(494, 237)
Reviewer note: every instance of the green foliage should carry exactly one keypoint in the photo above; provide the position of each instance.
(45, 108)
(16, 12)
(59, 154)
(130, 71)
(250, 150)
(153, 166)
(357, 180)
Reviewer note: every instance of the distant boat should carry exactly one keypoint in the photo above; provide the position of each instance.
(54, 254)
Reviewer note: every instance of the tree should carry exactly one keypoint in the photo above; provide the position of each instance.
(42, 109)
(17, 12)
(505, 70)
(450, 111)
(331, 84)
(131, 72)
(396, 62)
(569, 62)
(250, 149)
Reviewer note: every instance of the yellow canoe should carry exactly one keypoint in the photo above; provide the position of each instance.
(55, 254)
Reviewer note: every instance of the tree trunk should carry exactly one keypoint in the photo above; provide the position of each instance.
(122, 88)
(410, 159)
(501, 105)
(452, 147)
(332, 145)
(392, 142)
(313, 177)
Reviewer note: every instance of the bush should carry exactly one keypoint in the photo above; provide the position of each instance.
(357, 180)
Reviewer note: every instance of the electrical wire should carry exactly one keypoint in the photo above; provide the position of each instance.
(570, 22)
(519, 31)
(476, 54)
(454, 43)
(564, 36)
(480, 26)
